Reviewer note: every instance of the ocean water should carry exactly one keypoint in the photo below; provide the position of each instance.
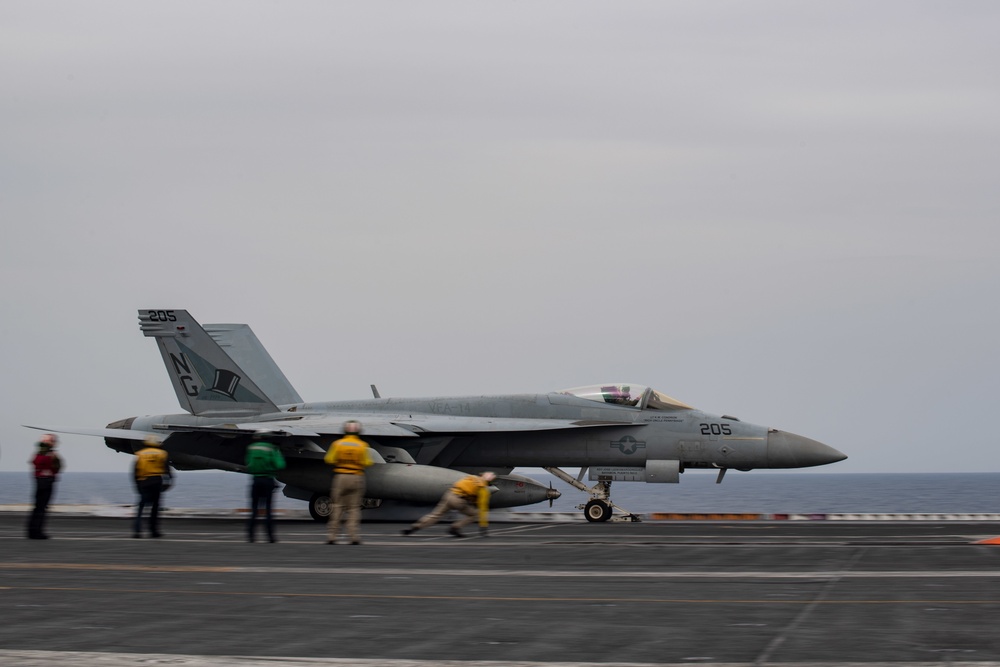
(769, 493)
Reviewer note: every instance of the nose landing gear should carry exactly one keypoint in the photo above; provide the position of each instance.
(599, 507)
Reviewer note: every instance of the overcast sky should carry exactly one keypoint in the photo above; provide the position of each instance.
(782, 211)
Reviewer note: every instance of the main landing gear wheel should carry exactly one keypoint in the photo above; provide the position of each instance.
(320, 507)
(597, 510)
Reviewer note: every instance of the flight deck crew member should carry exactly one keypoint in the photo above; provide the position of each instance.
(349, 457)
(46, 464)
(263, 461)
(465, 496)
(152, 475)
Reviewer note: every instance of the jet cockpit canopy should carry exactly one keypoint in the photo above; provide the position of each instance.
(634, 395)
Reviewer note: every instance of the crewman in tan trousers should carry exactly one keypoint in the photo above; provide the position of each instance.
(349, 457)
(468, 494)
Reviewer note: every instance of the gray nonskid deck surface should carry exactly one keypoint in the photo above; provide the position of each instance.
(666, 593)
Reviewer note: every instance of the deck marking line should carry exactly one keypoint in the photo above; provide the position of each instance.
(820, 575)
(495, 598)
(35, 658)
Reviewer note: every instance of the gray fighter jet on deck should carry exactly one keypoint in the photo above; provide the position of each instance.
(232, 389)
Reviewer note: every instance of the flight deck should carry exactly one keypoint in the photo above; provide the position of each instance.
(665, 592)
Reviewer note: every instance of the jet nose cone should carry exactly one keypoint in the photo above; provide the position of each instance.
(787, 450)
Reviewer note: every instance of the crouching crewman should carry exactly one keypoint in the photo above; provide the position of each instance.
(466, 496)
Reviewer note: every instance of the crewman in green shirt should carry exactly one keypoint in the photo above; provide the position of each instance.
(263, 461)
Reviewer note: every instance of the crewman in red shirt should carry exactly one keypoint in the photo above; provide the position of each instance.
(46, 464)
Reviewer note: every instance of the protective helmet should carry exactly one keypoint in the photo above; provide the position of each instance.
(488, 476)
(151, 441)
(352, 426)
(49, 440)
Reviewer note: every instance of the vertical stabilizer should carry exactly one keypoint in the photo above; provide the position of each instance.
(207, 381)
(243, 346)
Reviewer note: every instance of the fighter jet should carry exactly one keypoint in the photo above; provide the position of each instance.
(232, 390)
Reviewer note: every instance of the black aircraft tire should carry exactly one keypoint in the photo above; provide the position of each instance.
(597, 511)
(319, 507)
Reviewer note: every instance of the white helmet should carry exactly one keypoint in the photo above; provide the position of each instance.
(488, 476)
(352, 426)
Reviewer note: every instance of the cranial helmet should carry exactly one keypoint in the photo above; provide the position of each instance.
(352, 426)
(49, 439)
(151, 441)
(488, 476)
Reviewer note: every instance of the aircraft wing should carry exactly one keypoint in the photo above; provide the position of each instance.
(307, 429)
(374, 424)
(414, 425)
(287, 427)
(448, 424)
(98, 432)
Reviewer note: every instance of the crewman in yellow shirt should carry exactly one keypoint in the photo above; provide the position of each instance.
(152, 476)
(468, 494)
(349, 457)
